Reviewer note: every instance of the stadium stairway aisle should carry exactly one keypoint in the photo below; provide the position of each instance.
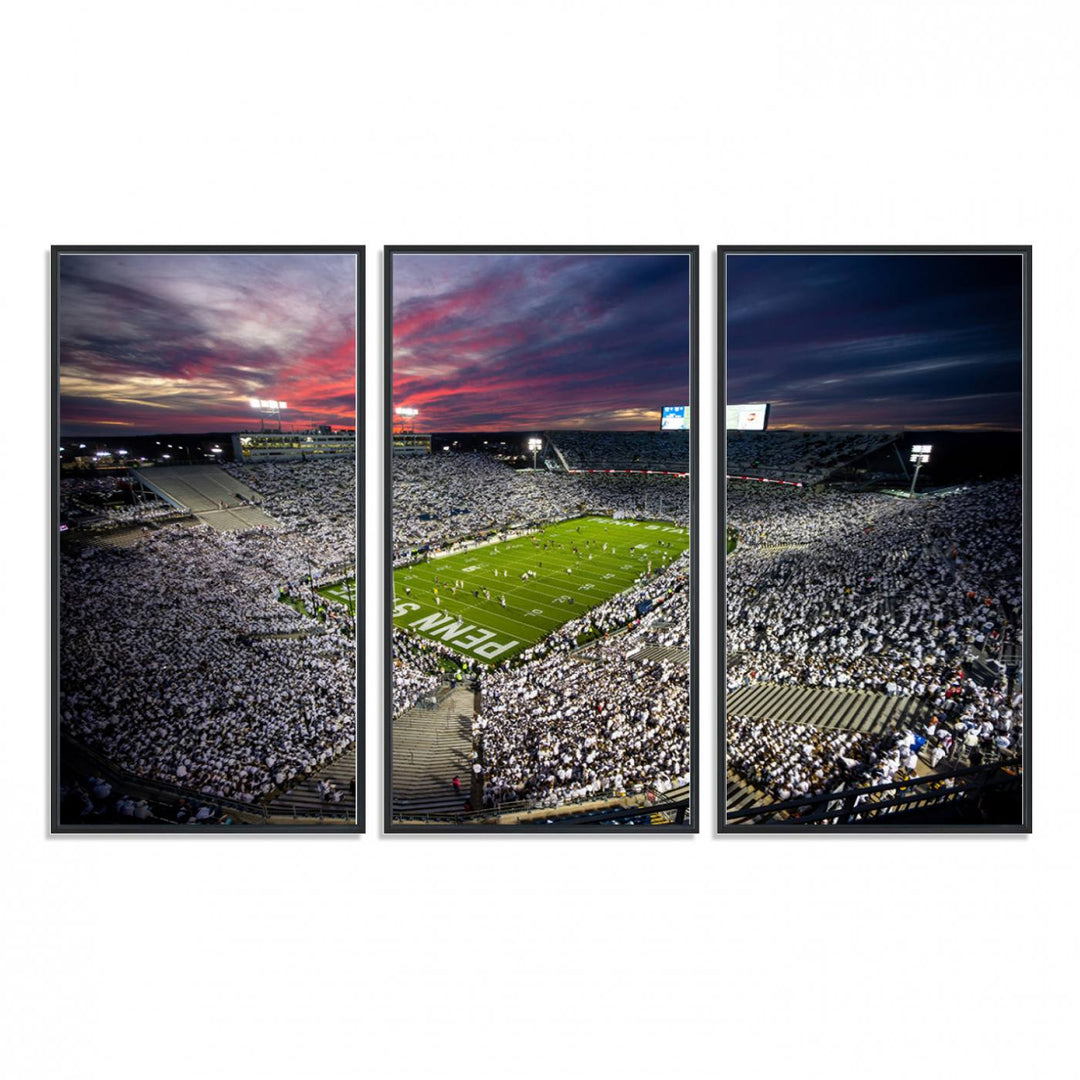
(304, 799)
(432, 745)
(848, 710)
(776, 549)
(741, 795)
(662, 652)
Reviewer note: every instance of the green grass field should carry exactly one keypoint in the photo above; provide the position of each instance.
(428, 602)
(342, 594)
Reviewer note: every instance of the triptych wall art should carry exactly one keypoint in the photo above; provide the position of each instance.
(539, 593)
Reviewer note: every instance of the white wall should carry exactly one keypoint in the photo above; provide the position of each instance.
(547, 122)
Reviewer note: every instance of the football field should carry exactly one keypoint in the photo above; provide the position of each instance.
(479, 604)
(342, 592)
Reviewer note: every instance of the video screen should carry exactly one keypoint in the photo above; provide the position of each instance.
(675, 418)
(747, 417)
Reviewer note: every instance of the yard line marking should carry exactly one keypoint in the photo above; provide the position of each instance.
(592, 578)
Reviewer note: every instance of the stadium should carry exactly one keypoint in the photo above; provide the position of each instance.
(223, 593)
(207, 643)
(874, 628)
(541, 629)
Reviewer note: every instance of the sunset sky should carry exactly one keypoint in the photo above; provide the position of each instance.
(515, 342)
(180, 343)
(895, 341)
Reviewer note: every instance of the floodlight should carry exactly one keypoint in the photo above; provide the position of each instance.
(535, 445)
(919, 456)
(267, 407)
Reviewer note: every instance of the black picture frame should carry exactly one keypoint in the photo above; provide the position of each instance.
(808, 829)
(56, 826)
(529, 828)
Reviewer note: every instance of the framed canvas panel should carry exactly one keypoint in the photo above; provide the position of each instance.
(207, 494)
(875, 572)
(541, 548)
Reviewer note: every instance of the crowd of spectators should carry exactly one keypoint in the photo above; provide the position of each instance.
(443, 499)
(419, 668)
(599, 721)
(80, 495)
(805, 456)
(788, 760)
(662, 450)
(566, 721)
(99, 503)
(180, 662)
(919, 597)
(315, 501)
(93, 800)
(439, 498)
(581, 713)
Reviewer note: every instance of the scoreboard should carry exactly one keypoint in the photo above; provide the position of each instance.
(747, 417)
(675, 418)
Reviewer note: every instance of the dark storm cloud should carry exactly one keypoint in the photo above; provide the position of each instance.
(181, 342)
(895, 341)
(502, 342)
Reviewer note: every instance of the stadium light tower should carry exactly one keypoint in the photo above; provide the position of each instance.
(535, 445)
(267, 407)
(920, 456)
(404, 416)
